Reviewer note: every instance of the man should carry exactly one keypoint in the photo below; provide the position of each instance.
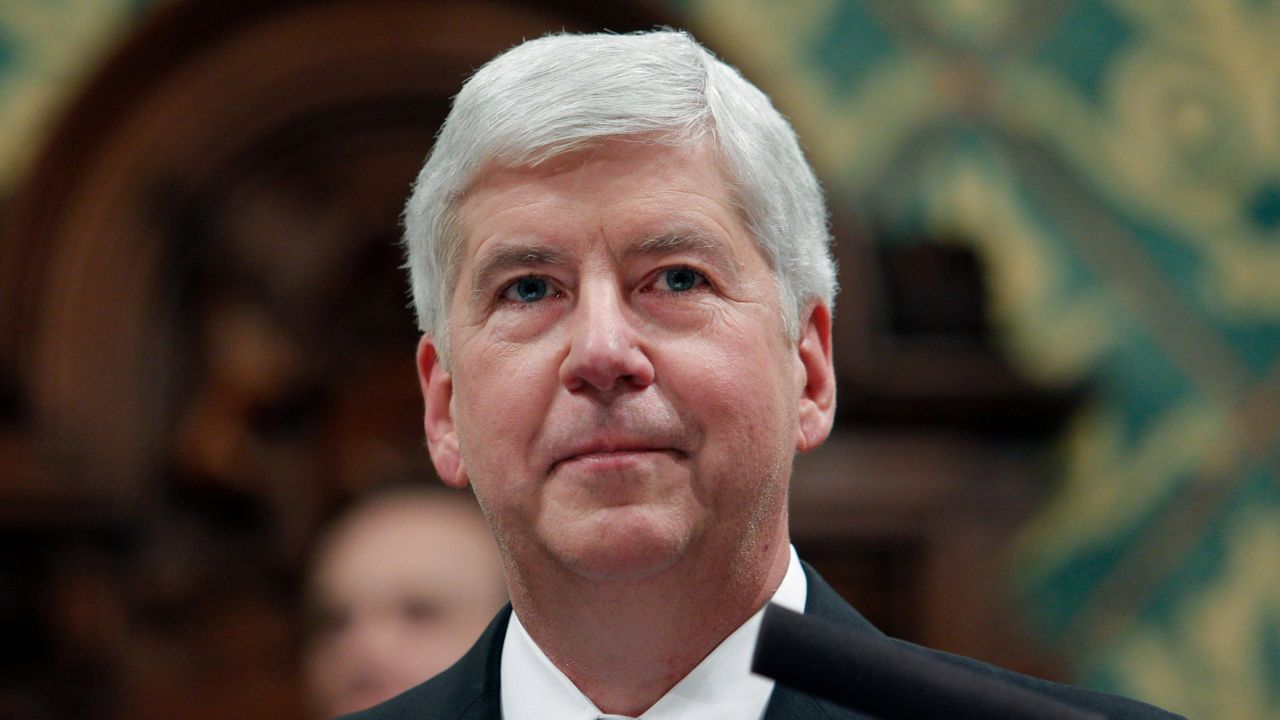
(620, 267)
(401, 583)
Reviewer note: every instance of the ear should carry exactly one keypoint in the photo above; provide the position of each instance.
(437, 396)
(818, 398)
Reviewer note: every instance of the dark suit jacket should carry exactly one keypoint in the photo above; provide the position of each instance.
(470, 689)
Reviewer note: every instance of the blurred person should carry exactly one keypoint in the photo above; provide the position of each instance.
(621, 270)
(401, 584)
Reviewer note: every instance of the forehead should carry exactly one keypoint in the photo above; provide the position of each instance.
(397, 541)
(616, 189)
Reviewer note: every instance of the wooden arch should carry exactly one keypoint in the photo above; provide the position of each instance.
(204, 320)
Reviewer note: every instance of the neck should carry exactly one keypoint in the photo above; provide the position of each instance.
(624, 644)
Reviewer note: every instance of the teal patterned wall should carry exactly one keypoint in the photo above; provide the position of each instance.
(48, 48)
(1117, 165)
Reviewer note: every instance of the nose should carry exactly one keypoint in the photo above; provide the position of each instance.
(605, 353)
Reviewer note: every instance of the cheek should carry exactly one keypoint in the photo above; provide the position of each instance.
(507, 389)
(322, 665)
(502, 385)
(746, 361)
(738, 381)
(329, 665)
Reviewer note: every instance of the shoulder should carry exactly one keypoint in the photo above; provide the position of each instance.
(469, 690)
(1113, 707)
(824, 601)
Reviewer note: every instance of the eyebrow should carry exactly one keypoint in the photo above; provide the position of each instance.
(694, 241)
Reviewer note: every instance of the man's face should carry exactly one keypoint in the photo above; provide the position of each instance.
(399, 592)
(623, 391)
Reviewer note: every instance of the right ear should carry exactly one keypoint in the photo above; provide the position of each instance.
(437, 396)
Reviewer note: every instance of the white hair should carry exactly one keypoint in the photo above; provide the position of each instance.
(559, 93)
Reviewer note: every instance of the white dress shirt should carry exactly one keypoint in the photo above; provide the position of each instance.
(721, 686)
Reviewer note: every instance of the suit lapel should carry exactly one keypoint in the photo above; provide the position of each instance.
(472, 687)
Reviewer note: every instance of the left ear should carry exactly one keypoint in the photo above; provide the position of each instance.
(818, 398)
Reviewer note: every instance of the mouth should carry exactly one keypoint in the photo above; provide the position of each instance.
(604, 454)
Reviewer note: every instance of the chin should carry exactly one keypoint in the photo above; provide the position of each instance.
(621, 544)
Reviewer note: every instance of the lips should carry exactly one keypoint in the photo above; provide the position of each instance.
(605, 449)
(601, 434)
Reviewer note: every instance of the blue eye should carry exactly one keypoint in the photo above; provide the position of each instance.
(527, 289)
(681, 279)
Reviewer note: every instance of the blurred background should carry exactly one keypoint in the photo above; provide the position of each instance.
(1058, 342)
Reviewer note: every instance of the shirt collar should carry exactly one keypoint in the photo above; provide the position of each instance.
(720, 686)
